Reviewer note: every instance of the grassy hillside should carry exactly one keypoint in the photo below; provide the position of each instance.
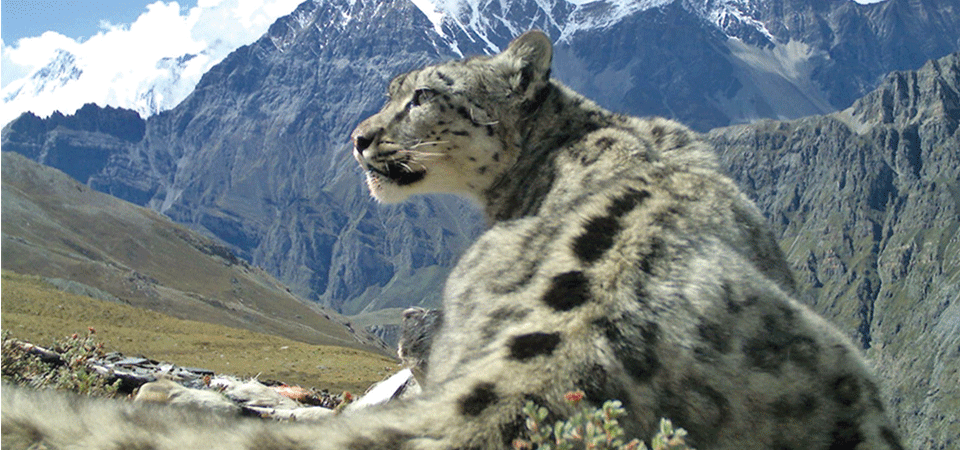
(35, 311)
(55, 227)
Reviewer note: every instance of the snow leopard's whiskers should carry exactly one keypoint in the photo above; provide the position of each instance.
(414, 154)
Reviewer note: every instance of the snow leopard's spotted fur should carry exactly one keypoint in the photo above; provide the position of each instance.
(619, 262)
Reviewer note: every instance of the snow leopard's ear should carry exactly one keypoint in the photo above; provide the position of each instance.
(528, 60)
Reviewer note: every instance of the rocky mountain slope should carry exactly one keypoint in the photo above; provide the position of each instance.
(79, 144)
(95, 244)
(866, 203)
(258, 155)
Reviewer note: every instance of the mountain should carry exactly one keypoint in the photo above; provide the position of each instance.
(60, 71)
(93, 243)
(147, 90)
(721, 62)
(258, 155)
(866, 204)
(79, 144)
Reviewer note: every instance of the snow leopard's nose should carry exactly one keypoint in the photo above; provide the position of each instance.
(362, 140)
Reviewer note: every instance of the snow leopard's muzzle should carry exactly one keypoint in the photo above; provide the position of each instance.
(382, 160)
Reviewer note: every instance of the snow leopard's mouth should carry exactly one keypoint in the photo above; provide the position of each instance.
(398, 172)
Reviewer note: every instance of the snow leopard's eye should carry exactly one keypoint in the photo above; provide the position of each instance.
(421, 96)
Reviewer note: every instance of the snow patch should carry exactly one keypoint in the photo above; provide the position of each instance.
(434, 15)
(589, 15)
(471, 16)
(735, 11)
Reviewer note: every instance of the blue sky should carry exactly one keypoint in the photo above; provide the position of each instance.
(77, 19)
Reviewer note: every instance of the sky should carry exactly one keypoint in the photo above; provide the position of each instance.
(77, 20)
(73, 18)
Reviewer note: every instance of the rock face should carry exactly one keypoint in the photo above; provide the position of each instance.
(866, 202)
(79, 144)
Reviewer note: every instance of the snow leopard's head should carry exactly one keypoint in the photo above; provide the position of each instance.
(452, 127)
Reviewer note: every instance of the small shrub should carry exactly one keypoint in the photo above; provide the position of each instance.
(67, 370)
(591, 428)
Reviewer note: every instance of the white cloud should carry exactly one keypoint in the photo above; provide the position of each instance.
(125, 65)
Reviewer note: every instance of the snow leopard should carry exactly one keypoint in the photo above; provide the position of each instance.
(619, 262)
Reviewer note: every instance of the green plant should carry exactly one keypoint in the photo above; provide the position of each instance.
(63, 366)
(591, 428)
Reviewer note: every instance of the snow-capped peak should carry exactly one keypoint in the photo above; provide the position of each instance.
(601, 14)
(69, 81)
(60, 71)
(481, 18)
(149, 65)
